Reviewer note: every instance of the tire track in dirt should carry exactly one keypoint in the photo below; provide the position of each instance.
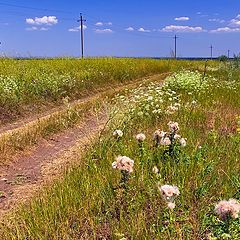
(19, 123)
(20, 179)
(30, 171)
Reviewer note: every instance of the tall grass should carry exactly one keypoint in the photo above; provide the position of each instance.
(27, 84)
(89, 203)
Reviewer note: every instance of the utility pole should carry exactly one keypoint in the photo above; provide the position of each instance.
(81, 20)
(211, 47)
(175, 46)
(228, 53)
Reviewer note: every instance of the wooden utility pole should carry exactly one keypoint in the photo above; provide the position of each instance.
(211, 47)
(81, 20)
(228, 54)
(175, 46)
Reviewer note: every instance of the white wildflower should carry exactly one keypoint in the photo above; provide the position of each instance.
(177, 136)
(140, 137)
(155, 170)
(117, 133)
(183, 142)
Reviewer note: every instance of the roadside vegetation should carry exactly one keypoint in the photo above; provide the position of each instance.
(32, 86)
(50, 96)
(166, 166)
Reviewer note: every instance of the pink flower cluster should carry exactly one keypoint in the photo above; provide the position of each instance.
(166, 139)
(169, 193)
(123, 163)
(225, 209)
(173, 127)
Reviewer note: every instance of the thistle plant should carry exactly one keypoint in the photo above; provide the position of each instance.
(125, 165)
(169, 194)
(227, 212)
(170, 139)
(141, 138)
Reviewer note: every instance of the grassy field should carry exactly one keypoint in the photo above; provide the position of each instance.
(37, 85)
(104, 198)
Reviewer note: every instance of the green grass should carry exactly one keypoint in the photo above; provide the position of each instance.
(89, 203)
(36, 85)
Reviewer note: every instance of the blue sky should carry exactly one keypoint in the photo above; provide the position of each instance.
(119, 28)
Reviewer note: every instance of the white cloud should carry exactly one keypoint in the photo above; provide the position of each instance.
(34, 28)
(198, 13)
(174, 28)
(77, 29)
(182, 19)
(225, 30)
(46, 20)
(216, 20)
(130, 29)
(235, 22)
(106, 30)
(99, 24)
(44, 29)
(143, 30)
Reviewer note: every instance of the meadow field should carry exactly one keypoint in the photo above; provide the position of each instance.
(165, 164)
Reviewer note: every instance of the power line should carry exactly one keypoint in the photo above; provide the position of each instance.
(34, 8)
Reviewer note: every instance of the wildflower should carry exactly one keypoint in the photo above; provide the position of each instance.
(165, 141)
(171, 205)
(140, 137)
(173, 126)
(169, 193)
(225, 209)
(158, 135)
(123, 163)
(171, 109)
(118, 133)
(177, 105)
(155, 170)
(183, 142)
(177, 137)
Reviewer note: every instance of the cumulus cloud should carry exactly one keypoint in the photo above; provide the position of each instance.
(34, 28)
(130, 29)
(225, 30)
(46, 20)
(100, 24)
(235, 22)
(175, 28)
(77, 29)
(143, 30)
(216, 20)
(182, 19)
(106, 30)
